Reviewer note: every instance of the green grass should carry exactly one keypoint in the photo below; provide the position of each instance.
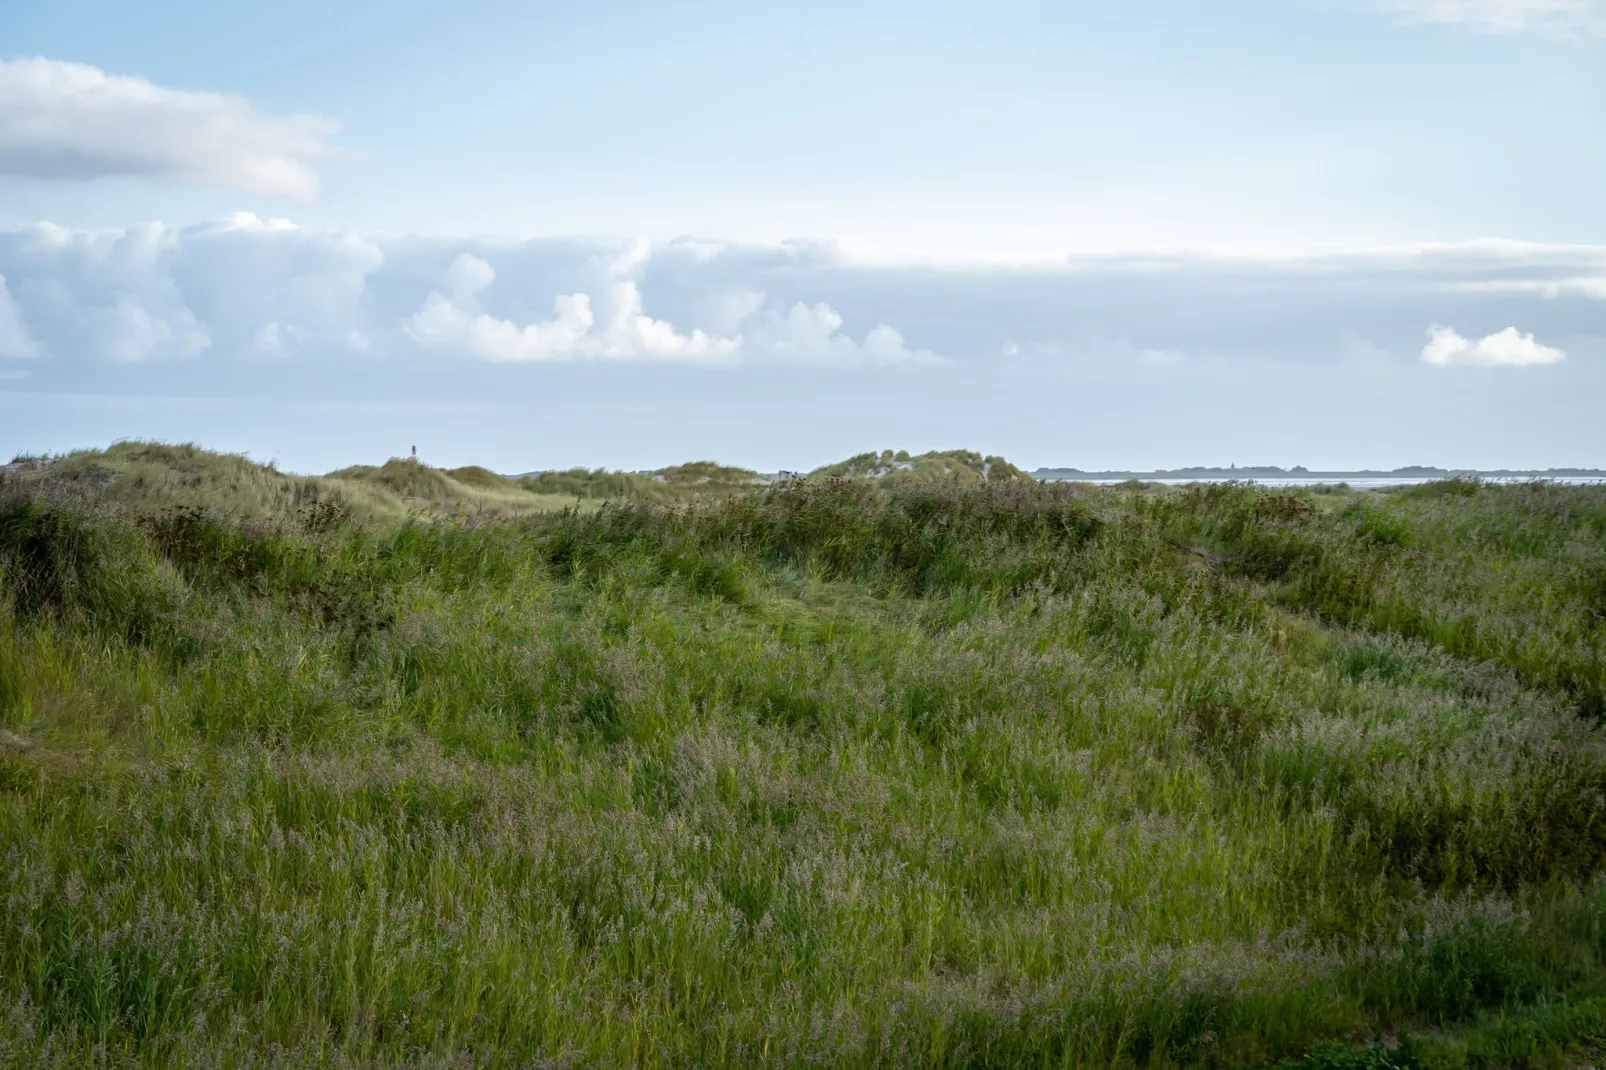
(141, 478)
(920, 772)
(678, 483)
(894, 467)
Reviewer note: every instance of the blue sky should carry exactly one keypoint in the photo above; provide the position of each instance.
(1329, 232)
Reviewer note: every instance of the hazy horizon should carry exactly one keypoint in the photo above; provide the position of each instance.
(1297, 470)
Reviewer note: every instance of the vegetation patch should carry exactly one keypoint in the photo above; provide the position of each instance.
(911, 761)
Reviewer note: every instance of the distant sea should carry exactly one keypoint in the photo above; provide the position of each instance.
(1299, 477)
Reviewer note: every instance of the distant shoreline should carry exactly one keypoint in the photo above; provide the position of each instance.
(1409, 474)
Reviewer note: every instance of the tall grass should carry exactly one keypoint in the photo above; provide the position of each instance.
(140, 478)
(825, 773)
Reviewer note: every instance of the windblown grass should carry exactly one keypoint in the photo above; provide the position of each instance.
(679, 483)
(419, 490)
(149, 477)
(143, 478)
(894, 467)
(834, 772)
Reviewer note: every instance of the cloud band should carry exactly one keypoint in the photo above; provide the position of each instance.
(73, 121)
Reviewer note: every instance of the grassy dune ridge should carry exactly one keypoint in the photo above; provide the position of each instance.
(836, 771)
(147, 477)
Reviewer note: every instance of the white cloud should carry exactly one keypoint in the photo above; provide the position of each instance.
(73, 121)
(275, 339)
(133, 334)
(442, 324)
(456, 323)
(237, 286)
(1561, 17)
(105, 292)
(15, 341)
(453, 319)
(727, 310)
(1507, 348)
(812, 334)
(467, 276)
(234, 290)
(273, 286)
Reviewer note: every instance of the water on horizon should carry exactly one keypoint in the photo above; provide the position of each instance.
(1359, 483)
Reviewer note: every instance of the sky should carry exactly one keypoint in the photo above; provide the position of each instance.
(1338, 233)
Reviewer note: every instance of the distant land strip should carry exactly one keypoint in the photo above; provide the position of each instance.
(1415, 471)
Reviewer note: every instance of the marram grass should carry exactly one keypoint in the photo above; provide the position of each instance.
(830, 773)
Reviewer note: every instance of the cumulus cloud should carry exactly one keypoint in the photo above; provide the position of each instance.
(812, 334)
(15, 341)
(1507, 348)
(283, 288)
(106, 292)
(73, 121)
(237, 286)
(1561, 17)
(727, 310)
(452, 319)
(244, 290)
(455, 322)
(133, 334)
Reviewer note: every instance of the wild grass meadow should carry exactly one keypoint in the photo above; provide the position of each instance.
(838, 771)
